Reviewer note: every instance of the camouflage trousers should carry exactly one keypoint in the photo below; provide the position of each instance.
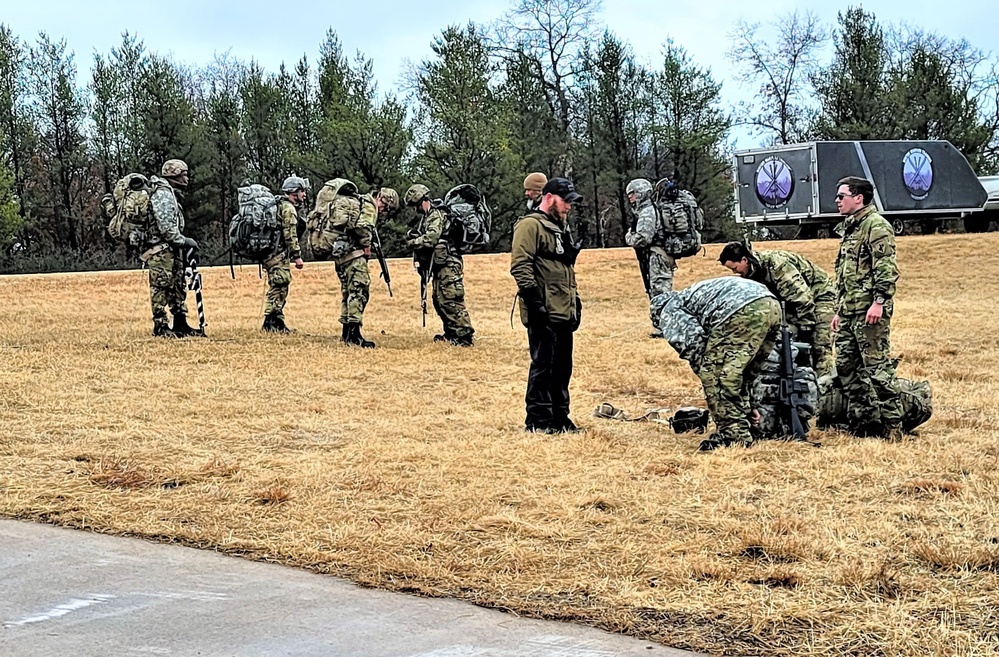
(865, 369)
(661, 268)
(449, 297)
(355, 290)
(166, 286)
(278, 283)
(821, 339)
(733, 357)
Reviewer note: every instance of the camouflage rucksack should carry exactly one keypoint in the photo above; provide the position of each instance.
(127, 210)
(683, 237)
(765, 392)
(471, 218)
(255, 232)
(338, 208)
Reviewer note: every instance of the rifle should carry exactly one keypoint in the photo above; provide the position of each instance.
(424, 280)
(792, 392)
(376, 248)
(195, 284)
(643, 260)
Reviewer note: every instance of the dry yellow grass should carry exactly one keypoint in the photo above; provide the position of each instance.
(405, 467)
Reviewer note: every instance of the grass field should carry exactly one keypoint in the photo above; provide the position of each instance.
(405, 467)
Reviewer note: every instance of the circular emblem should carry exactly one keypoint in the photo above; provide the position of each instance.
(917, 173)
(774, 182)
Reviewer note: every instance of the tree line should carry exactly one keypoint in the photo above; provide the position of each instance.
(544, 88)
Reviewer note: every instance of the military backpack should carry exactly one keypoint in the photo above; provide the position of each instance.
(470, 218)
(681, 218)
(127, 210)
(255, 231)
(338, 208)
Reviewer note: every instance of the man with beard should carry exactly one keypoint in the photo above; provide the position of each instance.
(542, 262)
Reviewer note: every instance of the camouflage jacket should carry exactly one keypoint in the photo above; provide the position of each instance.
(538, 259)
(430, 240)
(688, 316)
(648, 231)
(168, 218)
(796, 281)
(288, 214)
(865, 265)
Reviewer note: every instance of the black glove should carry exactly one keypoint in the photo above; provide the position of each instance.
(537, 312)
(190, 244)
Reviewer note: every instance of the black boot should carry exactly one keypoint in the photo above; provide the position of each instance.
(354, 337)
(440, 337)
(163, 331)
(181, 329)
(345, 332)
(463, 341)
(274, 324)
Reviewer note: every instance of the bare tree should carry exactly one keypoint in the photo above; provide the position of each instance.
(782, 68)
(552, 36)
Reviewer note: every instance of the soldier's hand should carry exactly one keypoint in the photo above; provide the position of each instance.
(834, 324)
(299, 263)
(367, 252)
(874, 313)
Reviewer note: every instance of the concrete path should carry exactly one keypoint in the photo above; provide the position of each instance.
(73, 593)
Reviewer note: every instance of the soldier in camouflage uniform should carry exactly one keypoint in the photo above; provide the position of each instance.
(648, 237)
(352, 268)
(806, 291)
(165, 251)
(866, 272)
(725, 328)
(435, 253)
(278, 266)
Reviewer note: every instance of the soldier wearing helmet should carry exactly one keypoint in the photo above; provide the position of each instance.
(437, 259)
(166, 249)
(278, 266)
(647, 235)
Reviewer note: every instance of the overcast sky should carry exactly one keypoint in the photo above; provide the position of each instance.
(390, 33)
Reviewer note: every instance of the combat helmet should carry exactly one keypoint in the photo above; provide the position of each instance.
(416, 193)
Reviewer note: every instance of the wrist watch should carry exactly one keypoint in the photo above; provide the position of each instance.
(879, 300)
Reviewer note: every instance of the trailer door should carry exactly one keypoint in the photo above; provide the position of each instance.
(776, 184)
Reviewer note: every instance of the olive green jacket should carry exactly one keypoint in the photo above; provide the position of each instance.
(796, 281)
(539, 258)
(865, 266)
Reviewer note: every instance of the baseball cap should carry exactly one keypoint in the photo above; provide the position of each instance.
(563, 188)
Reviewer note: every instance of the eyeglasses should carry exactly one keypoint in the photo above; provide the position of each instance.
(840, 197)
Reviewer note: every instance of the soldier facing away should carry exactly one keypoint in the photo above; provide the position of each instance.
(805, 289)
(165, 248)
(725, 328)
(278, 266)
(436, 256)
(866, 272)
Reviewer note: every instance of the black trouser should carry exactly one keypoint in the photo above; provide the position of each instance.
(548, 380)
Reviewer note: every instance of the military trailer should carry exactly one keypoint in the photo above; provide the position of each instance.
(914, 181)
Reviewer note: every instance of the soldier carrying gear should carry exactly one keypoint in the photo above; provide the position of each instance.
(165, 248)
(648, 237)
(437, 259)
(287, 251)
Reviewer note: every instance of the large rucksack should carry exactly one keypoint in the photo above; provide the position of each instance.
(916, 397)
(255, 232)
(338, 208)
(127, 210)
(470, 216)
(683, 229)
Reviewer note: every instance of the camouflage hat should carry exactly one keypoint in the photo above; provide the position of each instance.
(639, 186)
(416, 193)
(390, 198)
(294, 183)
(173, 168)
(535, 181)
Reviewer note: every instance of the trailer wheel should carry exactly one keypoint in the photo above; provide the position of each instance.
(976, 224)
(898, 226)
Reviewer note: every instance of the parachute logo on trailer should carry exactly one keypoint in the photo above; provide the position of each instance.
(917, 173)
(774, 182)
